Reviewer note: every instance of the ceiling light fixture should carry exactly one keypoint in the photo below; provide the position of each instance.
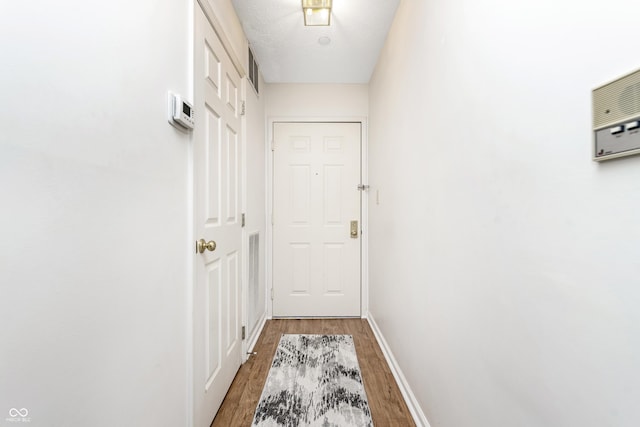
(316, 12)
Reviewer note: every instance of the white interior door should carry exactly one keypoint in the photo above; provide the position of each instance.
(316, 259)
(217, 194)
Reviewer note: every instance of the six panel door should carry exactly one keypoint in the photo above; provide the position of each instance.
(316, 259)
(217, 197)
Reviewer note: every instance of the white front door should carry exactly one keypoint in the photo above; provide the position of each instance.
(316, 257)
(217, 342)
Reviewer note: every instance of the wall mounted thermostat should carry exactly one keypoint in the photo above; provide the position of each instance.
(616, 118)
(180, 112)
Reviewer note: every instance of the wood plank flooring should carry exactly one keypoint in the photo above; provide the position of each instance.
(385, 400)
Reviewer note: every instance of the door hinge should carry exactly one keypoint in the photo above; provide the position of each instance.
(273, 145)
(243, 220)
(244, 332)
(363, 187)
(272, 293)
(243, 109)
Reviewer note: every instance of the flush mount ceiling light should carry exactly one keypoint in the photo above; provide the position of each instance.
(316, 12)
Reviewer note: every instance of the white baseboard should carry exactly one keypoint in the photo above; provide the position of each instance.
(253, 339)
(414, 407)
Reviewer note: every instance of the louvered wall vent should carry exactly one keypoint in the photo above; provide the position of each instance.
(254, 77)
(254, 279)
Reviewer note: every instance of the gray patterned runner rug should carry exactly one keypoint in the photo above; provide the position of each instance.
(314, 380)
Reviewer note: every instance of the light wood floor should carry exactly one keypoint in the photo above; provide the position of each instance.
(387, 405)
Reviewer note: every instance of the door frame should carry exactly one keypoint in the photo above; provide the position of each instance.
(364, 172)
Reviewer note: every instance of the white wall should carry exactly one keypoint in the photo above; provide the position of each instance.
(96, 212)
(505, 270)
(301, 100)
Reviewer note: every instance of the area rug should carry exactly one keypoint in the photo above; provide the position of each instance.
(314, 380)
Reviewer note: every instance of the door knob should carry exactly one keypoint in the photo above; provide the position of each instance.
(202, 245)
(354, 229)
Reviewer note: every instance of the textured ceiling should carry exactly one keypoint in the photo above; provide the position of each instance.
(289, 52)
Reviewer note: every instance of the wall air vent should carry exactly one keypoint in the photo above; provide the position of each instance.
(254, 76)
(254, 280)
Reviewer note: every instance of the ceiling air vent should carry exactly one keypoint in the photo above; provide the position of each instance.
(253, 72)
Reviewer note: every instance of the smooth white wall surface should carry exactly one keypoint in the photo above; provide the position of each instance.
(96, 212)
(300, 100)
(505, 264)
(94, 219)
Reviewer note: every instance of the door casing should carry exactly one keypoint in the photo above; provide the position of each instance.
(364, 265)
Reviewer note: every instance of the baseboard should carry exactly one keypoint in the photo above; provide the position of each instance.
(416, 411)
(253, 339)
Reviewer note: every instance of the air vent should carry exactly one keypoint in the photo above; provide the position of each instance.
(254, 76)
(254, 280)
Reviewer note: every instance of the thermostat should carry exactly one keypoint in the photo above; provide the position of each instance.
(180, 112)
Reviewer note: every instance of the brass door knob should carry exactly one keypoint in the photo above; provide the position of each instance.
(202, 245)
